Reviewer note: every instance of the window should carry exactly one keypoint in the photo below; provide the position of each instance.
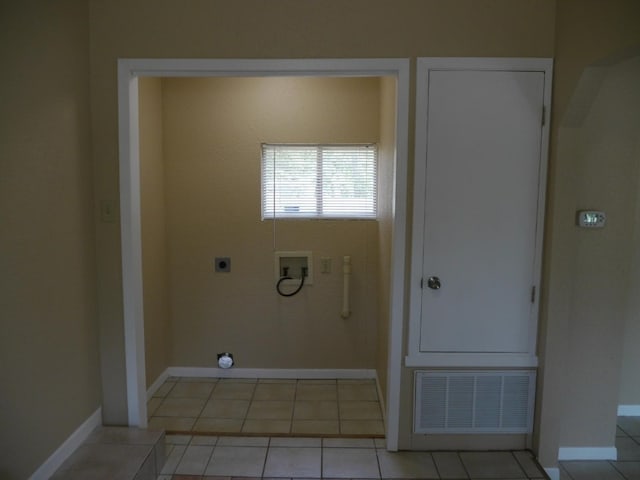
(319, 181)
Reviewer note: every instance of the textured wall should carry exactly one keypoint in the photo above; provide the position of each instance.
(629, 381)
(45, 145)
(585, 273)
(385, 223)
(155, 261)
(275, 29)
(49, 363)
(213, 129)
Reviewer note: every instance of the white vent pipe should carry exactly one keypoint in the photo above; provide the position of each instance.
(346, 272)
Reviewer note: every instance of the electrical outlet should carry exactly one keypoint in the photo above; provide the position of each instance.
(223, 264)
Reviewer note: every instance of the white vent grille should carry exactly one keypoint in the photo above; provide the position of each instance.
(474, 401)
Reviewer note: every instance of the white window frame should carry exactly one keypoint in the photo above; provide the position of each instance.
(316, 204)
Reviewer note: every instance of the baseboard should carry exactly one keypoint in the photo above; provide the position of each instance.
(553, 473)
(629, 410)
(64, 451)
(157, 384)
(304, 373)
(587, 453)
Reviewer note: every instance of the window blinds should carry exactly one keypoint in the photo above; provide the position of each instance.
(319, 181)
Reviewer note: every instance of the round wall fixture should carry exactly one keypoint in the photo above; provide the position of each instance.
(225, 360)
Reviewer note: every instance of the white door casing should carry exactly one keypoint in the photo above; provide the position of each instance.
(481, 150)
(128, 72)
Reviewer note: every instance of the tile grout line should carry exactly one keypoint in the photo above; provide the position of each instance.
(215, 445)
(181, 457)
(435, 465)
(251, 400)
(618, 471)
(464, 467)
(378, 461)
(568, 474)
(163, 398)
(322, 458)
(526, 475)
(266, 455)
(338, 405)
(293, 409)
(199, 416)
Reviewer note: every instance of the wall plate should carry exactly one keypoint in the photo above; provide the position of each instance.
(222, 264)
(590, 218)
(292, 263)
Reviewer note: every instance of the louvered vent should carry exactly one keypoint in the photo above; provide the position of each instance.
(474, 402)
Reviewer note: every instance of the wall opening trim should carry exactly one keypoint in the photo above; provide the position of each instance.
(129, 70)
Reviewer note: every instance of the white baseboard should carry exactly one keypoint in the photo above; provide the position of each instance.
(553, 473)
(629, 410)
(157, 384)
(304, 373)
(64, 451)
(587, 453)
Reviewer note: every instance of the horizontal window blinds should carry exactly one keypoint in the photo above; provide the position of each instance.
(319, 181)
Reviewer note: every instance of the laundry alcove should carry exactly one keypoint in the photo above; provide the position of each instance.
(195, 263)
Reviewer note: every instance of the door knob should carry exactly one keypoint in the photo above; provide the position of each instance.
(433, 283)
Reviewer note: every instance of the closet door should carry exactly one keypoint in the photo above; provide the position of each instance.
(480, 199)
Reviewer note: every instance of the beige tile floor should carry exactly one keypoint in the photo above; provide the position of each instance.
(123, 454)
(267, 406)
(219, 458)
(116, 453)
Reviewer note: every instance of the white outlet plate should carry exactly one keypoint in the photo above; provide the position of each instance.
(294, 260)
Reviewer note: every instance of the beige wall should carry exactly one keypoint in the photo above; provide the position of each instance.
(213, 128)
(52, 127)
(586, 273)
(603, 148)
(629, 381)
(386, 159)
(276, 29)
(49, 363)
(157, 311)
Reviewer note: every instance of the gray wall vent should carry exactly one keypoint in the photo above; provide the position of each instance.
(474, 401)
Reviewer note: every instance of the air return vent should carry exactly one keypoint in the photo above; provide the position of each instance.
(474, 401)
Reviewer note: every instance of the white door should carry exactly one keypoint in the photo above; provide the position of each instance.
(481, 208)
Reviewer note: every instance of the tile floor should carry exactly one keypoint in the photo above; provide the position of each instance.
(219, 458)
(113, 453)
(627, 467)
(267, 406)
(116, 453)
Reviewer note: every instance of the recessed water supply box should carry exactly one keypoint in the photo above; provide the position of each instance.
(294, 264)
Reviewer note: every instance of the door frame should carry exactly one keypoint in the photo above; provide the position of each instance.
(416, 358)
(129, 70)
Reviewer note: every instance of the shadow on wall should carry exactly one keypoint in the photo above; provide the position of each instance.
(600, 132)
